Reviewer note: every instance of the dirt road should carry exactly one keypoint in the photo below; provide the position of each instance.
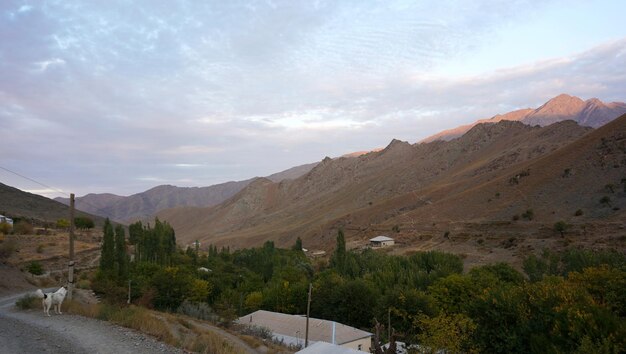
(32, 332)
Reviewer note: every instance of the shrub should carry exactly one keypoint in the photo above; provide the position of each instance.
(199, 310)
(605, 200)
(23, 227)
(40, 248)
(515, 217)
(395, 228)
(7, 248)
(529, 214)
(26, 302)
(35, 268)
(63, 224)
(560, 227)
(5, 228)
(578, 212)
(257, 331)
(83, 222)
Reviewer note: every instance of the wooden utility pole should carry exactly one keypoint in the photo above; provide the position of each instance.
(389, 322)
(308, 314)
(70, 271)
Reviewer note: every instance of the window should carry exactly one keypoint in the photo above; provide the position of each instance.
(360, 347)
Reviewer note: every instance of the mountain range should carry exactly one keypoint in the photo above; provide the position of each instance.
(590, 113)
(145, 204)
(492, 192)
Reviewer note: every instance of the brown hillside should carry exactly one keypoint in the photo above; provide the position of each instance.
(374, 189)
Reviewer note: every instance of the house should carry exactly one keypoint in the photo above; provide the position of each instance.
(381, 241)
(291, 330)
(6, 219)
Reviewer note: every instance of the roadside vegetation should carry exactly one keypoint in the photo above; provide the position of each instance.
(565, 302)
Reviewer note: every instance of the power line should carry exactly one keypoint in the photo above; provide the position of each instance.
(34, 181)
(49, 187)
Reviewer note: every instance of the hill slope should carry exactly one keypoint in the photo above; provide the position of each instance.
(17, 203)
(145, 204)
(371, 188)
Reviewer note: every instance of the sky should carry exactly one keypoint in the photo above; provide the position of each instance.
(121, 96)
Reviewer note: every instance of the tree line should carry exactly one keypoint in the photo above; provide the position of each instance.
(570, 301)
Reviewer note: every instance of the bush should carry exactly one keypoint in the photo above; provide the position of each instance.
(23, 228)
(5, 228)
(7, 248)
(83, 222)
(27, 302)
(578, 212)
(199, 310)
(40, 248)
(561, 227)
(63, 224)
(35, 268)
(257, 331)
(529, 214)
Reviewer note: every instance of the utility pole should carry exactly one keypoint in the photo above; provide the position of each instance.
(70, 271)
(389, 323)
(129, 281)
(308, 314)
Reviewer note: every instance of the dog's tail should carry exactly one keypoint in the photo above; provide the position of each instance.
(40, 294)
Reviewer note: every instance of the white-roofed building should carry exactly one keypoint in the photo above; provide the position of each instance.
(6, 219)
(291, 330)
(381, 241)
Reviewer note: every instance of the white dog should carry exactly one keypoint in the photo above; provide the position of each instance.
(49, 299)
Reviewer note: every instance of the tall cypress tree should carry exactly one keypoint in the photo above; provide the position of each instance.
(107, 253)
(339, 259)
(120, 253)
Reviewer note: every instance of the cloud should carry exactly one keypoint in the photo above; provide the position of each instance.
(116, 97)
(42, 66)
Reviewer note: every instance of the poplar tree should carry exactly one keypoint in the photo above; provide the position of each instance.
(107, 253)
(339, 258)
(121, 259)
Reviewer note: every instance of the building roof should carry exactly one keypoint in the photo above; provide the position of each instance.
(327, 348)
(381, 239)
(295, 326)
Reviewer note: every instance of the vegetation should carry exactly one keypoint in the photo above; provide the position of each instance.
(35, 268)
(561, 227)
(5, 228)
(27, 302)
(572, 301)
(529, 214)
(23, 227)
(83, 222)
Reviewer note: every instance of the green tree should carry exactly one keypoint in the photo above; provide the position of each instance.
(83, 222)
(448, 333)
(339, 257)
(35, 268)
(121, 258)
(107, 252)
(63, 224)
(561, 227)
(298, 245)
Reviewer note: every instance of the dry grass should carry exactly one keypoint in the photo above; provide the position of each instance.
(171, 329)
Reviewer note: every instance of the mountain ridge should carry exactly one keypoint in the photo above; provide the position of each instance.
(592, 112)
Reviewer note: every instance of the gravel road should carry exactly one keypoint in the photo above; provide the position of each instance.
(32, 332)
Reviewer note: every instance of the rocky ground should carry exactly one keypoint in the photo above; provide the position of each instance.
(32, 332)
